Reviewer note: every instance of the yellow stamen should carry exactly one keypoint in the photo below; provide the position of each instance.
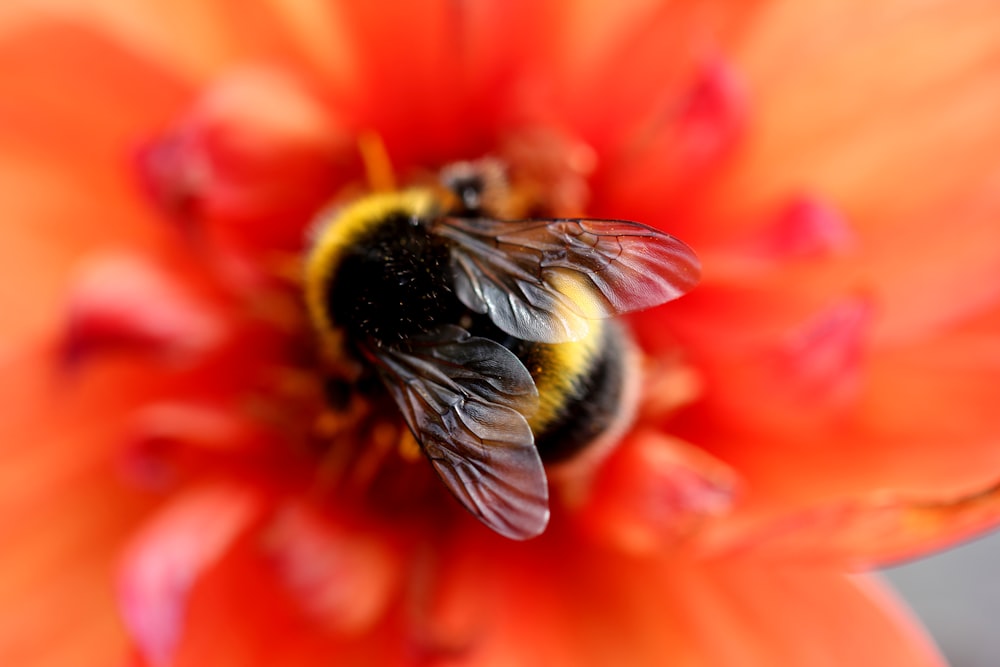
(409, 450)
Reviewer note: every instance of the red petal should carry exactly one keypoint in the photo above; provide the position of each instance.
(806, 227)
(167, 441)
(125, 302)
(413, 88)
(653, 173)
(256, 156)
(820, 364)
(762, 372)
(342, 576)
(256, 607)
(170, 555)
(713, 114)
(654, 490)
(619, 51)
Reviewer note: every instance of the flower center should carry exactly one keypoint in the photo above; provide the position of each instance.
(357, 380)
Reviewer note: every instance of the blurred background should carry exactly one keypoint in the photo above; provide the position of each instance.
(957, 595)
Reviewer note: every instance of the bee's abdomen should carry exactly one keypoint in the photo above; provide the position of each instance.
(393, 283)
(582, 387)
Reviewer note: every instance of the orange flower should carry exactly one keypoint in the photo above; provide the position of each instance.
(824, 402)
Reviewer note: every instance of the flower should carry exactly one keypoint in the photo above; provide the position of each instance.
(822, 403)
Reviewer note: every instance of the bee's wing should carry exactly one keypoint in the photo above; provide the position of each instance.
(541, 280)
(465, 399)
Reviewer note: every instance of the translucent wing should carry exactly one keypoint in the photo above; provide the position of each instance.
(465, 399)
(541, 280)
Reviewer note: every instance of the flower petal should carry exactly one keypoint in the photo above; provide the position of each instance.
(653, 491)
(419, 70)
(257, 606)
(342, 576)
(256, 156)
(862, 125)
(215, 34)
(168, 442)
(61, 181)
(812, 418)
(124, 302)
(167, 558)
(62, 513)
(869, 532)
(806, 227)
(597, 608)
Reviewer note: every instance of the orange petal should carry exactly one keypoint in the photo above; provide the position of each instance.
(805, 227)
(54, 569)
(593, 608)
(415, 88)
(619, 51)
(63, 514)
(62, 165)
(849, 420)
(820, 363)
(868, 126)
(215, 35)
(866, 532)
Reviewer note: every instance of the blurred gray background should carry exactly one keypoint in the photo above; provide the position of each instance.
(957, 596)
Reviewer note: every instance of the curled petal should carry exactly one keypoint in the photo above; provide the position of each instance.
(806, 227)
(166, 438)
(668, 385)
(654, 490)
(787, 379)
(124, 302)
(164, 562)
(821, 363)
(342, 577)
(713, 113)
(256, 156)
(872, 531)
(688, 137)
(786, 247)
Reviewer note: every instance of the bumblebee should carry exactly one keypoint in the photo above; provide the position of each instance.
(491, 335)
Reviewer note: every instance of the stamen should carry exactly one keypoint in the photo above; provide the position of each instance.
(376, 161)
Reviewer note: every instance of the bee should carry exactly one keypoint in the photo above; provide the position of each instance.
(491, 335)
